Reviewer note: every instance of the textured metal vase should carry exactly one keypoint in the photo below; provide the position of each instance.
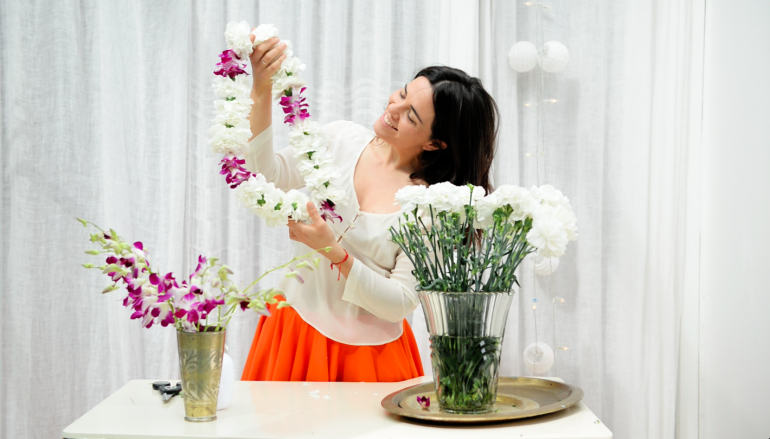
(466, 336)
(200, 363)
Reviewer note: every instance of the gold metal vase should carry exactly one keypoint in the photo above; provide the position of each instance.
(200, 363)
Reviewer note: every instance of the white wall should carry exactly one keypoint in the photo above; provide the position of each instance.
(735, 222)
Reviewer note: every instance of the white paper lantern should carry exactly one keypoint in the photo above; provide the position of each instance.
(523, 56)
(538, 358)
(545, 266)
(555, 57)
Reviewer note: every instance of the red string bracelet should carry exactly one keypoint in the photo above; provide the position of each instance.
(339, 263)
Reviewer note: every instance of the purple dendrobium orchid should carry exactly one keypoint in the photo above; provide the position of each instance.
(294, 107)
(233, 168)
(158, 299)
(229, 65)
(424, 402)
(327, 212)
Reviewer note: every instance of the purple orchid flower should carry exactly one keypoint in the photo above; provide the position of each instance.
(424, 402)
(209, 305)
(295, 107)
(233, 168)
(229, 65)
(327, 212)
(201, 263)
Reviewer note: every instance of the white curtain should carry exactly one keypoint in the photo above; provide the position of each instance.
(105, 108)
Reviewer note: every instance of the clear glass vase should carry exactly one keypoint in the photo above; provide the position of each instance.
(466, 336)
(200, 364)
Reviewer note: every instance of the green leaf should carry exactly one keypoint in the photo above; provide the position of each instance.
(88, 265)
(283, 304)
(82, 221)
(92, 252)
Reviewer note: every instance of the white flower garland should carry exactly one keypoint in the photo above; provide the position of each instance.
(231, 131)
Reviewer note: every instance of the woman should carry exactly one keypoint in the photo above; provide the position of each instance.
(348, 323)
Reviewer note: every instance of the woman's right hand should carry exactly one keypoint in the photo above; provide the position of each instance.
(266, 59)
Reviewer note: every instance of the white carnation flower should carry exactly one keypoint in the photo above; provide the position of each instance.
(547, 194)
(248, 193)
(229, 141)
(309, 143)
(283, 82)
(318, 177)
(292, 65)
(568, 219)
(262, 198)
(547, 235)
(233, 110)
(310, 127)
(321, 159)
(264, 32)
(296, 201)
(521, 201)
(334, 193)
(227, 88)
(237, 36)
(485, 209)
(411, 197)
(231, 118)
(446, 197)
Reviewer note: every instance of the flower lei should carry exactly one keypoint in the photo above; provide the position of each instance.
(231, 131)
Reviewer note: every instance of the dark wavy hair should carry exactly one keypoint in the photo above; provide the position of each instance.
(466, 122)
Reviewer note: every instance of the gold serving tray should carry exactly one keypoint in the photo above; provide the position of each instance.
(517, 398)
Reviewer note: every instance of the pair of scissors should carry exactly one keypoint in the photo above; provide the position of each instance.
(166, 390)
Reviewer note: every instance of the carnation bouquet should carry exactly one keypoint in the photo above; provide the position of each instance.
(465, 246)
(460, 240)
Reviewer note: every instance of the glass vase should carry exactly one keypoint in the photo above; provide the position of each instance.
(200, 364)
(466, 336)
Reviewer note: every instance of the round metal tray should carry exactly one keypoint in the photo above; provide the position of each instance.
(517, 398)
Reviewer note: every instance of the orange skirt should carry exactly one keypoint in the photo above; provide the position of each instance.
(286, 348)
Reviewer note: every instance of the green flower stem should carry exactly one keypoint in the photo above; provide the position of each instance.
(282, 266)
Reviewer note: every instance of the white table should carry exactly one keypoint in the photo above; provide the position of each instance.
(306, 410)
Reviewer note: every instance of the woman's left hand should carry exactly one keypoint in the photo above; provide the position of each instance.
(317, 235)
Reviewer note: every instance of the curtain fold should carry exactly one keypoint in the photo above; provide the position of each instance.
(104, 114)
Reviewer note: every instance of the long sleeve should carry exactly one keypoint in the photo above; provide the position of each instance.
(389, 298)
(279, 167)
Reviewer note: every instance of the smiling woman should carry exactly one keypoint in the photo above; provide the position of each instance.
(350, 325)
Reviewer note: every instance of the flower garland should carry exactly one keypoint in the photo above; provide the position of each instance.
(231, 131)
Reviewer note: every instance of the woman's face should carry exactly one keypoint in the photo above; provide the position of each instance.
(408, 117)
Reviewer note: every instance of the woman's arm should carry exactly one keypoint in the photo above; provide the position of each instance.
(389, 298)
(279, 168)
(265, 60)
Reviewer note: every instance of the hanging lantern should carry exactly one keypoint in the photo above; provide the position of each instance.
(554, 57)
(523, 56)
(538, 357)
(545, 266)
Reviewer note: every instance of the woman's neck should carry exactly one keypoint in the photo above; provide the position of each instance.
(396, 159)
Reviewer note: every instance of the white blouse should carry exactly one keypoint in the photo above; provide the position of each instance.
(368, 307)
